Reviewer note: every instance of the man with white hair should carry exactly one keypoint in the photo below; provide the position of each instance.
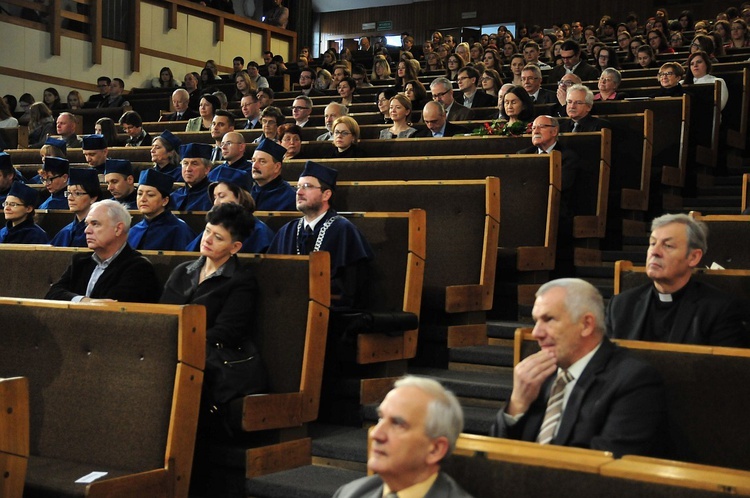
(582, 390)
(674, 307)
(442, 92)
(333, 111)
(114, 271)
(580, 100)
(419, 423)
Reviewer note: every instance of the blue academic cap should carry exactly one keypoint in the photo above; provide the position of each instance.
(227, 174)
(88, 178)
(94, 142)
(162, 182)
(171, 139)
(27, 194)
(196, 150)
(322, 173)
(56, 165)
(270, 147)
(121, 166)
(57, 142)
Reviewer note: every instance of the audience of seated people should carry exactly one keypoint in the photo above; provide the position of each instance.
(672, 308)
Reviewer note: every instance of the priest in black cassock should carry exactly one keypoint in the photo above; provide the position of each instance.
(322, 229)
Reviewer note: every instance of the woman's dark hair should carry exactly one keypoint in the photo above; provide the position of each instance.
(244, 198)
(54, 93)
(527, 114)
(420, 92)
(5, 113)
(213, 100)
(236, 219)
(703, 55)
(12, 103)
(663, 42)
(388, 92)
(108, 130)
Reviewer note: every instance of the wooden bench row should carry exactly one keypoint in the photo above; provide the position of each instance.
(14, 435)
(482, 465)
(125, 380)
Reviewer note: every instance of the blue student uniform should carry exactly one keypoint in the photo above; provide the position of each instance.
(191, 198)
(55, 201)
(26, 232)
(131, 201)
(341, 239)
(276, 195)
(242, 164)
(166, 232)
(173, 170)
(71, 235)
(257, 242)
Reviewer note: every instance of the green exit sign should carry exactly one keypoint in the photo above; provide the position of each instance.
(385, 25)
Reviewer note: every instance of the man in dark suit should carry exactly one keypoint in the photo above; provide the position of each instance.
(437, 124)
(470, 96)
(442, 91)
(180, 101)
(250, 107)
(114, 271)
(577, 188)
(580, 389)
(531, 79)
(404, 455)
(306, 80)
(570, 52)
(579, 103)
(674, 307)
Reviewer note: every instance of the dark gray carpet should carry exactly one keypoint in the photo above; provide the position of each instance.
(304, 482)
(498, 356)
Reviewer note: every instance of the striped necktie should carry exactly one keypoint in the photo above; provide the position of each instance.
(554, 408)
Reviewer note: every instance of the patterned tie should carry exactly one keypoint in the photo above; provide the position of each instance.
(554, 408)
(306, 240)
(575, 127)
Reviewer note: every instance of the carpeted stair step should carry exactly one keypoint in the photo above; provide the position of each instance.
(476, 387)
(339, 443)
(493, 359)
(311, 481)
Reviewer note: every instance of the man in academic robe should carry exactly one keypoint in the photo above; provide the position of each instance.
(196, 163)
(120, 180)
(271, 192)
(55, 179)
(322, 229)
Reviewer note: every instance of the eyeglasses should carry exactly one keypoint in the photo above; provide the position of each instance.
(528, 78)
(308, 186)
(442, 94)
(341, 133)
(539, 126)
(486, 78)
(668, 73)
(299, 108)
(565, 83)
(12, 204)
(227, 144)
(461, 78)
(606, 80)
(653, 38)
(50, 179)
(68, 193)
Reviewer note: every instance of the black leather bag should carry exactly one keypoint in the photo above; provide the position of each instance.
(232, 373)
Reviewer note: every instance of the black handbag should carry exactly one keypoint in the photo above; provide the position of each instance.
(232, 373)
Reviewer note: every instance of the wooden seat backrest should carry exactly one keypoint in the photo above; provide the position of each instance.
(92, 393)
(728, 239)
(14, 435)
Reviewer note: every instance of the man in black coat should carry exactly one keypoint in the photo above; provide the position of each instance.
(570, 52)
(609, 400)
(180, 101)
(114, 271)
(579, 103)
(674, 307)
(531, 78)
(435, 119)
